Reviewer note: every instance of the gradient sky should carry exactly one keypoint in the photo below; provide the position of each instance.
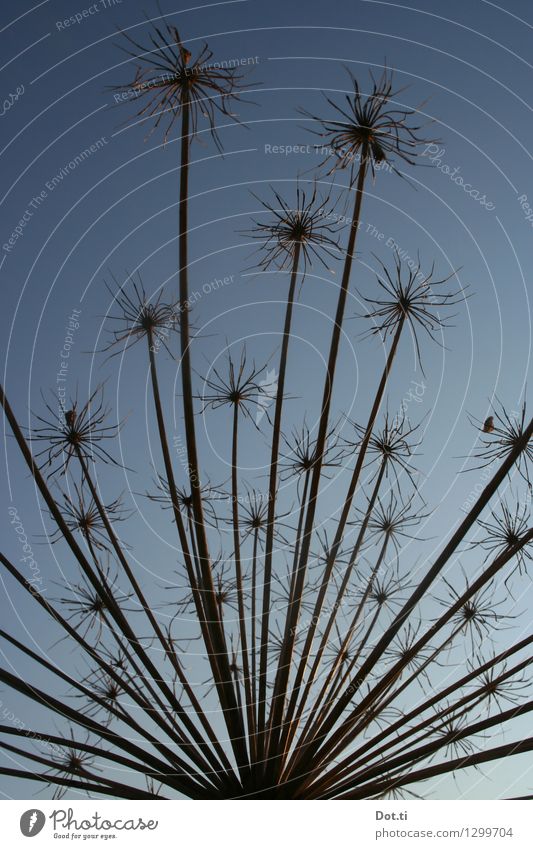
(464, 64)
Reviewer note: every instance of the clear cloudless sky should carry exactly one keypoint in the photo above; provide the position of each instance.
(464, 65)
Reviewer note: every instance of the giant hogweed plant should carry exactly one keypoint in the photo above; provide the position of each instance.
(318, 671)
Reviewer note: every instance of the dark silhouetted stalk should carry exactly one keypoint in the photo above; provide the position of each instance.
(280, 686)
(339, 534)
(272, 492)
(239, 583)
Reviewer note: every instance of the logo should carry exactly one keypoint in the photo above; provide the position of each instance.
(32, 822)
(268, 388)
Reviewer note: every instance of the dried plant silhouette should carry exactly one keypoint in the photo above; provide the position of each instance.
(301, 652)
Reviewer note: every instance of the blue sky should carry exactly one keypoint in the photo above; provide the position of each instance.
(81, 222)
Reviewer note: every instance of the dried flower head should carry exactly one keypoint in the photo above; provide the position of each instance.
(140, 317)
(309, 228)
(72, 761)
(391, 445)
(480, 616)
(299, 454)
(88, 608)
(108, 691)
(171, 81)
(398, 794)
(254, 513)
(410, 296)
(283, 591)
(499, 688)
(338, 651)
(395, 519)
(387, 592)
(276, 642)
(505, 531)
(80, 434)
(456, 742)
(321, 554)
(401, 649)
(224, 588)
(211, 495)
(81, 514)
(239, 388)
(370, 128)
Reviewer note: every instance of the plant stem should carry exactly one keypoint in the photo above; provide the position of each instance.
(239, 583)
(291, 725)
(272, 494)
(203, 602)
(329, 699)
(155, 625)
(224, 679)
(254, 624)
(280, 687)
(340, 534)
